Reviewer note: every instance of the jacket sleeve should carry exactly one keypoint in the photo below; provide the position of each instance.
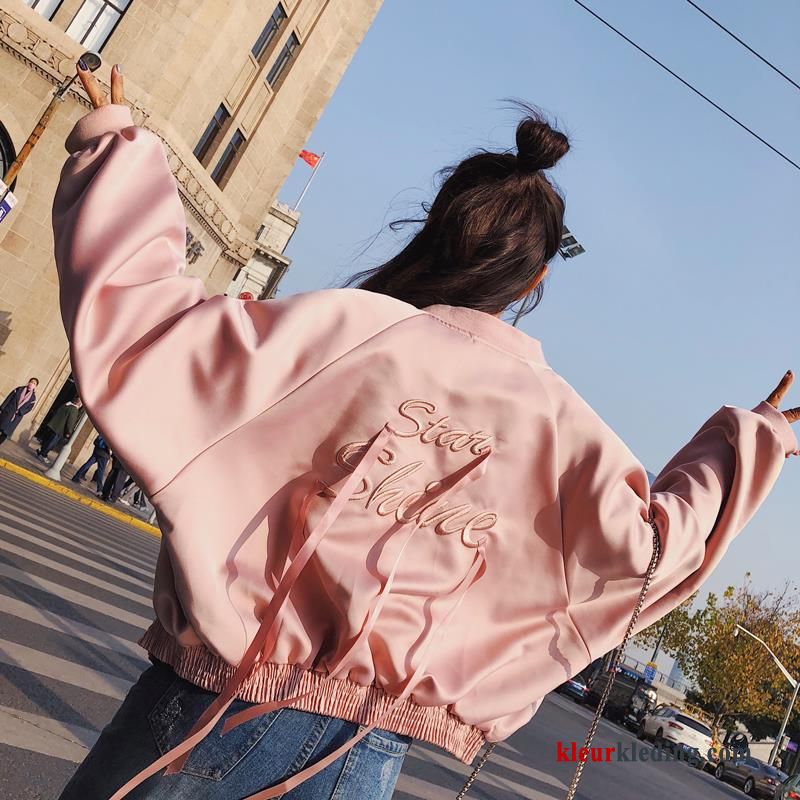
(700, 500)
(163, 370)
(26, 408)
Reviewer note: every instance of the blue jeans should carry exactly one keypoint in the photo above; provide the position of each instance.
(99, 473)
(161, 708)
(50, 440)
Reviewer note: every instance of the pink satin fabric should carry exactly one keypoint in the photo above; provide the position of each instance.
(264, 641)
(269, 399)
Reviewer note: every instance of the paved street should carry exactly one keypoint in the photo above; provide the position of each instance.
(74, 597)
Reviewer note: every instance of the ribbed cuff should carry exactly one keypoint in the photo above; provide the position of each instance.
(781, 426)
(110, 118)
(335, 697)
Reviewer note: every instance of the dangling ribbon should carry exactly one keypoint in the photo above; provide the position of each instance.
(265, 637)
(411, 684)
(376, 606)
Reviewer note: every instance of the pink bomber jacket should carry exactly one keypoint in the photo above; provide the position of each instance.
(400, 517)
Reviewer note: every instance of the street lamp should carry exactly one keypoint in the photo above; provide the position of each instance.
(569, 247)
(794, 684)
(92, 61)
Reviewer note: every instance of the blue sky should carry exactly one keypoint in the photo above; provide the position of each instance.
(688, 296)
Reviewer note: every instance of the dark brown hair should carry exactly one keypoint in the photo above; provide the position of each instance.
(495, 222)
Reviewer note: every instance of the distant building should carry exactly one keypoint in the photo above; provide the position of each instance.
(676, 674)
(265, 268)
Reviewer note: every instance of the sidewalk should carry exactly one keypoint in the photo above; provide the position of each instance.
(22, 460)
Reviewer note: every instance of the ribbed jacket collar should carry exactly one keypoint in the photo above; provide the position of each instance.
(491, 329)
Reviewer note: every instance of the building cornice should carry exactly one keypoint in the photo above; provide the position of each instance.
(50, 53)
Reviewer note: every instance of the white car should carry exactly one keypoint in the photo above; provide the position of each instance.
(673, 728)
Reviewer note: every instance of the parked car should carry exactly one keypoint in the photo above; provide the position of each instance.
(642, 702)
(788, 790)
(756, 778)
(627, 684)
(670, 727)
(575, 688)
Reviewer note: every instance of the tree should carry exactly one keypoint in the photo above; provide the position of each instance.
(735, 677)
(677, 627)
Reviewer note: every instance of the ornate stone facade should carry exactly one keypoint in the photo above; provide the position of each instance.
(184, 63)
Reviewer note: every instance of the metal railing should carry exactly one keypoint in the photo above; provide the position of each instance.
(660, 677)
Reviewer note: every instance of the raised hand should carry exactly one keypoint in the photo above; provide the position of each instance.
(791, 414)
(96, 94)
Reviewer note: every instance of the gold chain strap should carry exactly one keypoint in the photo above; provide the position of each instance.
(475, 772)
(573, 787)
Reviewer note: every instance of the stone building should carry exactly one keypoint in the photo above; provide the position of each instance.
(232, 87)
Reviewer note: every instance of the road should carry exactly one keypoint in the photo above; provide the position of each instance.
(75, 591)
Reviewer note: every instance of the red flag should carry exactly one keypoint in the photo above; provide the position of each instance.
(312, 159)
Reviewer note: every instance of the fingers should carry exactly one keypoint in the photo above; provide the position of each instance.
(96, 94)
(792, 414)
(780, 390)
(116, 85)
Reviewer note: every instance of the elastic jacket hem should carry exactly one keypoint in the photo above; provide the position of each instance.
(336, 697)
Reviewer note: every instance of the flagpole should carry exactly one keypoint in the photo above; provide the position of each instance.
(308, 183)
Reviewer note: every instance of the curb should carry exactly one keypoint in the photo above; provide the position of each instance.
(82, 499)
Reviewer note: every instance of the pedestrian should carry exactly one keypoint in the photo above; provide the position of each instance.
(60, 428)
(139, 499)
(132, 489)
(385, 516)
(100, 456)
(127, 489)
(17, 404)
(112, 488)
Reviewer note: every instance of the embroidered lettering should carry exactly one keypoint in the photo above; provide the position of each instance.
(410, 405)
(384, 493)
(393, 496)
(348, 457)
(482, 522)
(440, 432)
(400, 514)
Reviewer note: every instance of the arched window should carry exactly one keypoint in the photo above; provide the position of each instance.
(7, 152)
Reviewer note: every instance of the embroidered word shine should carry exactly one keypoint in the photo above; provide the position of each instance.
(391, 496)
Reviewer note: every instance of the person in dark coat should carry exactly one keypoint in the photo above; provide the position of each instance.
(115, 481)
(18, 403)
(99, 456)
(60, 427)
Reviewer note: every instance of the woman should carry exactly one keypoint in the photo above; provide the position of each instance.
(384, 516)
(18, 403)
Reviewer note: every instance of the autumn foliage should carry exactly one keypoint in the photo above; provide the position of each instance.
(735, 678)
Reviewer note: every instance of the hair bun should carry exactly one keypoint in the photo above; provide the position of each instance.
(539, 145)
